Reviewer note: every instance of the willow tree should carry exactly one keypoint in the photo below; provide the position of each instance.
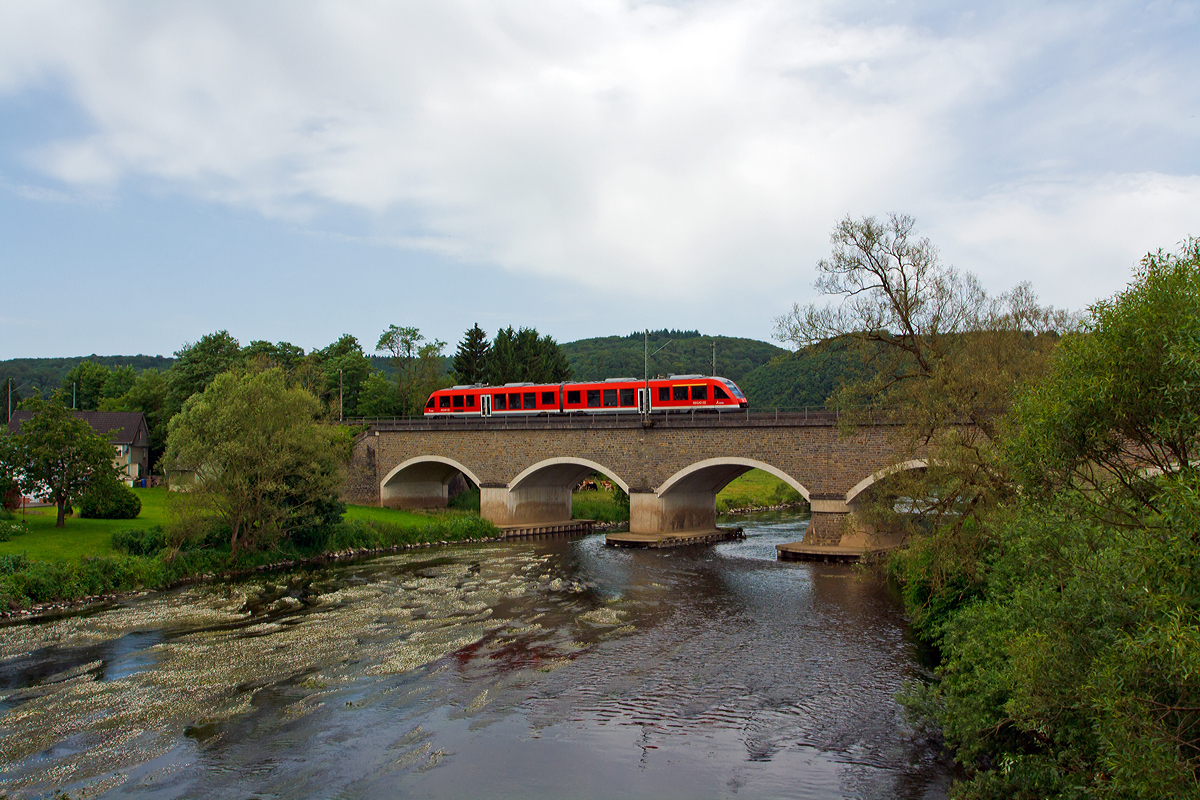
(261, 463)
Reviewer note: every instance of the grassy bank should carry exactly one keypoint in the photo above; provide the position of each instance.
(45, 564)
(756, 489)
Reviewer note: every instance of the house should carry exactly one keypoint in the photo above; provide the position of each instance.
(126, 430)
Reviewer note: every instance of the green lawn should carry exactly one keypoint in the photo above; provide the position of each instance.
(756, 488)
(93, 537)
(392, 516)
(81, 537)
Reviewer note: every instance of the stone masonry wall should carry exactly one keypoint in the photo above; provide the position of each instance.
(816, 456)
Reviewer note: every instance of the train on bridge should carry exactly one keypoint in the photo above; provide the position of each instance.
(675, 393)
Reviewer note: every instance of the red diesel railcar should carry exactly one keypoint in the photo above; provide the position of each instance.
(612, 396)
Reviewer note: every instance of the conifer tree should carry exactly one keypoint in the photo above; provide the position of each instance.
(470, 361)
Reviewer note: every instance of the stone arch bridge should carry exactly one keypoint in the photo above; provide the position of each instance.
(672, 468)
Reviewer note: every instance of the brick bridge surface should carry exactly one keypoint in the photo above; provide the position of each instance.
(672, 467)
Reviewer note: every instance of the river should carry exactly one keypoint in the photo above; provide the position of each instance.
(548, 669)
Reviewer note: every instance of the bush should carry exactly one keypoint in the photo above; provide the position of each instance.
(140, 541)
(9, 529)
(108, 498)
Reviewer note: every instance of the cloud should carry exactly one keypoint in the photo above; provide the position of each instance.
(661, 146)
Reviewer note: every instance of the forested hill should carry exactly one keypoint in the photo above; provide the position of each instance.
(807, 378)
(46, 374)
(688, 352)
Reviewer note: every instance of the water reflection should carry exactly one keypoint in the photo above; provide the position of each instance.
(549, 669)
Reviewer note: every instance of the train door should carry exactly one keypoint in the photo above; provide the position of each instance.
(485, 405)
(643, 402)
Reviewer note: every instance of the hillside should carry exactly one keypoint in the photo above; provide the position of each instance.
(688, 351)
(806, 378)
(46, 374)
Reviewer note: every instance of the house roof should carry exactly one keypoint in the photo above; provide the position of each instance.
(119, 427)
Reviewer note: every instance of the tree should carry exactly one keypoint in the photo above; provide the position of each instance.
(521, 355)
(197, 364)
(346, 355)
(945, 358)
(262, 464)
(10, 471)
(85, 385)
(59, 454)
(470, 361)
(266, 355)
(418, 366)
(1073, 671)
(1121, 404)
(120, 380)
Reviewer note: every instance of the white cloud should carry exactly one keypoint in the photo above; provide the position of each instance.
(659, 145)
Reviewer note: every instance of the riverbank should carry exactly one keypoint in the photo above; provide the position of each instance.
(46, 570)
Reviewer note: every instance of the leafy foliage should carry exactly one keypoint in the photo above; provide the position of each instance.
(688, 352)
(260, 461)
(140, 541)
(59, 455)
(196, 365)
(107, 497)
(1070, 623)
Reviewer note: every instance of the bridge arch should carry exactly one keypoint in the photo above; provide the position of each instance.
(718, 472)
(563, 471)
(421, 482)
(687, 501)
(878, 475)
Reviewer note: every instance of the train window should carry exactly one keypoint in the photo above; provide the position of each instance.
(458, 401)
(627, 397)
(514, 401)
(470, 401)
(610, 398)
(699, 392)
(500, 402)
(679, 393)
(432, 402)
(531, 399)
(548, 399)
(719, 393)
(664, 394)
(593, 398)
(573, 398)
(444, 401)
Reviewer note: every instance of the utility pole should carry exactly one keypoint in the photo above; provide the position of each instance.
(340, 395)
(9, 418)
(714, 358)
(72, 395)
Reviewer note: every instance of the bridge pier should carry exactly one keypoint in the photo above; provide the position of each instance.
(672, 512)
(523, 505)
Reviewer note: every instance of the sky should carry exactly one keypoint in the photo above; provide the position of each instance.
(296, 170)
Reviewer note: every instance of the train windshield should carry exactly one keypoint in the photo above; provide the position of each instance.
(736, 391)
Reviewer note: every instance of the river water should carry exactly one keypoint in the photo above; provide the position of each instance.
(555, 669)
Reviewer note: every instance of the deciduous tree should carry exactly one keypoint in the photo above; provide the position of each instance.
(59, 454)
(262, 463)
(197, 364)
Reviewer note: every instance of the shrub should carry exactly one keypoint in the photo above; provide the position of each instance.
(108, 498)
(10, 528)
(140, 541)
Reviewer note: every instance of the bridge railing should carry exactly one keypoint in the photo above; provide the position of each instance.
(705, 418)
